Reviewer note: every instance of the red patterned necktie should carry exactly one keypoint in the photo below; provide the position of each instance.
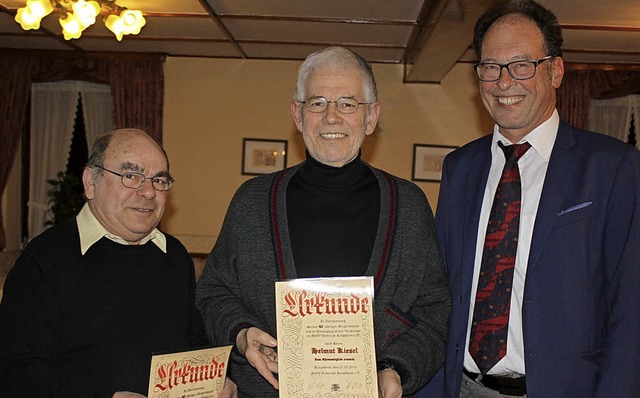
(488, 340)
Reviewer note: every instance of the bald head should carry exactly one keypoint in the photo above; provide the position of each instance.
(102, 143)
(117, 157)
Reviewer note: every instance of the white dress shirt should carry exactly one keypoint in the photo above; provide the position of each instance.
(91, 231)
(533, 169)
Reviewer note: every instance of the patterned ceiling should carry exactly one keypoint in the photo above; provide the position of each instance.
(429, 37)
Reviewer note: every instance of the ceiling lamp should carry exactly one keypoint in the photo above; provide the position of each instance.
(77, 15)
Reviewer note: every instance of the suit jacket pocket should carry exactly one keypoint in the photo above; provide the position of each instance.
(574, 214)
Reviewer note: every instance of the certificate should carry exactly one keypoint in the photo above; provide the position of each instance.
(325, 338)
(197, 374)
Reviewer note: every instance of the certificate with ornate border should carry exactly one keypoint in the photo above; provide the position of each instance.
(198, 373)
(325, 338)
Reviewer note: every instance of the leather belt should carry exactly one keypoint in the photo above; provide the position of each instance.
(515, 386)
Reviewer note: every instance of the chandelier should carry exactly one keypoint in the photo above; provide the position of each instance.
(77, 15)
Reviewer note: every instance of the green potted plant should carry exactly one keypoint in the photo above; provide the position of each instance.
(66, 197)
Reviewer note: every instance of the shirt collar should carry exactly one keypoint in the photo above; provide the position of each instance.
(541, 138)
(92, 231)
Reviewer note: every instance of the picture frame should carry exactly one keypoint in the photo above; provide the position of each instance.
(263, 156)
(427, 161)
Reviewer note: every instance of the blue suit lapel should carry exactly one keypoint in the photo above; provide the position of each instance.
(477, 176)
(561, 168)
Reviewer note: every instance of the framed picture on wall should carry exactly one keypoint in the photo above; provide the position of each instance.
(427, 161)
(261, 156)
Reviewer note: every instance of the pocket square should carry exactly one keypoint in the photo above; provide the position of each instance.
(574, 208)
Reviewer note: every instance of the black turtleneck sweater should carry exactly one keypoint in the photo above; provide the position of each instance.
(333, 218)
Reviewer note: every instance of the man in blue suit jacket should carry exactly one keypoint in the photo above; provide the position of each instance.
(574, 323)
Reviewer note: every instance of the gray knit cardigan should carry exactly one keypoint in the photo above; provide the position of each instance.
(253, 250)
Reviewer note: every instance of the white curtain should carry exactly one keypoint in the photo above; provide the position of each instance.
(613, 116)
(97, 110)
(53, 109)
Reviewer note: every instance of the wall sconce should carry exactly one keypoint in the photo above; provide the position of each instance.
(77, 15)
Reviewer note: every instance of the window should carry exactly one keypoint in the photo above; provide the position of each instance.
(55, 135)
(617, 117)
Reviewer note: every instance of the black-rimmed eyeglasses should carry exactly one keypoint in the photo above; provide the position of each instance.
(519, 70)
(134, 180)
(344, 104)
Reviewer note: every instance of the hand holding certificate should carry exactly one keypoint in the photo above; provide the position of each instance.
(260, 350)
(325, 338)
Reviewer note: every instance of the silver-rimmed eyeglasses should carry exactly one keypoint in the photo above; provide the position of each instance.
(519, 70)
(345, 104)
(134, 180)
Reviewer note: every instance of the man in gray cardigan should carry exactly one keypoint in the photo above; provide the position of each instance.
(330, 216)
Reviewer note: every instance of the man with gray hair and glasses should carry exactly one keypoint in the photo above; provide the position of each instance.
(331, 216)
(93, 298)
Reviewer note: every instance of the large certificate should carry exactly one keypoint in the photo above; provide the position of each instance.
(197, 374)
(325, 338)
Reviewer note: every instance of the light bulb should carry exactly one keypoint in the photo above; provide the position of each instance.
(40, 8)
(71, 27)
(86, 12)
(114, 23)
(132, 21)
(29, 17)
